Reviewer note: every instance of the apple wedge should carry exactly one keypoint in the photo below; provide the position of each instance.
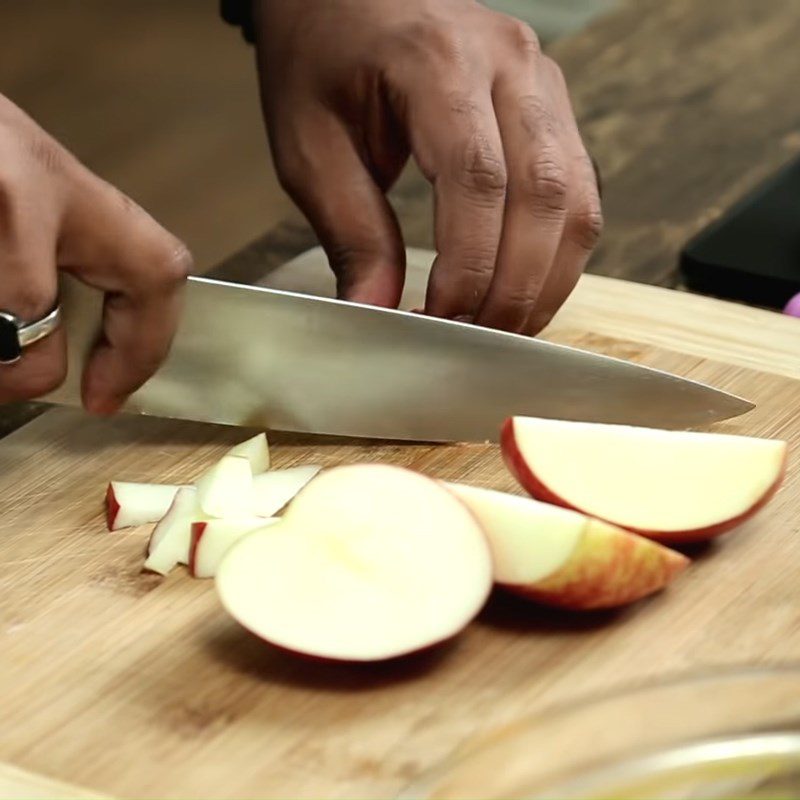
(171, 538)
(131, 504)
(273, 490)
(369, 562)
(565, 559)
(226, 490)
(256, 451)
(673, 486)
(213, 538)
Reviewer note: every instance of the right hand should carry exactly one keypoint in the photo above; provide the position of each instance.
(56, 215)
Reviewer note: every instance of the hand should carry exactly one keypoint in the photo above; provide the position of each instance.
(55, 214)
(350, 88)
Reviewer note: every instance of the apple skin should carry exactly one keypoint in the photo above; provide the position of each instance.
(198, 529)
(520, 470)
(610, 567)
(112, 507)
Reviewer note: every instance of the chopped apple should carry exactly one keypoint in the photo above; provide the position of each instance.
(256, 451)
(273, 490)
(226, 490)
(673, 486)
(369, 562)
(171, 538)
(213, 538)
(131, 504)
(565, 559)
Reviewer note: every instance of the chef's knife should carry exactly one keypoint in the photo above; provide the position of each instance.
(266, 358)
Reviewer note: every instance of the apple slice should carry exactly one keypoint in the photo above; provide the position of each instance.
(673, 486)
(565, 559)
(213, 538)
(226, 490)
(131, 504)
(171, 538)
(256, 451)
(369, 562)
(273, 490)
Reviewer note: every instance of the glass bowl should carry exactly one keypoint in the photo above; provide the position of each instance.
(730, 733)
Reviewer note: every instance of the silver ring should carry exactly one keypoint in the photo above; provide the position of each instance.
(16, 334)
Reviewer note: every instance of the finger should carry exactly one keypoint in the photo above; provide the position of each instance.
(113, 245)
(584, 221)
(456, 142)
(28, 289)
(319, 166)
(536, 206)
(582, 231)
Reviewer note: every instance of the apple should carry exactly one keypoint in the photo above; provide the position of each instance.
(130, 504)
(210, 540)
(171, 538)
(256, 451)
(672, 486)
(369, 562)
(226, 490)
(564, 558)
(273, 490)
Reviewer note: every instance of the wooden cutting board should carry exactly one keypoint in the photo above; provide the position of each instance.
(130, 684)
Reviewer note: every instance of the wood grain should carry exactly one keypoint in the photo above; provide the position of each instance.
(134, 685)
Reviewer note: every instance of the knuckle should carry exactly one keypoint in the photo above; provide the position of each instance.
(544, 183)
(587, 225)
(432, 39)
(482, 170)
(522, 39)
(46, 152)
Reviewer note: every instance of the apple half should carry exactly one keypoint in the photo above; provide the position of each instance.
(565, 559)
(369, 562)
(211, 539)
(673, 486)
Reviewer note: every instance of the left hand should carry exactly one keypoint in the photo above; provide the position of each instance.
(351, 88)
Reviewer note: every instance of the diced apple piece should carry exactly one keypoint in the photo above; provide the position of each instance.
(256, 451)
(131, 504)
(212, 539)
(370, 562)
(273, 490)
(171, 538)
(565, 559)
(673, 486)
(226, 490)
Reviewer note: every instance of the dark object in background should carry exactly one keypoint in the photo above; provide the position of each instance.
(752, 253)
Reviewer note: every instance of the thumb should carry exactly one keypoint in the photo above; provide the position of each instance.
(319, 166)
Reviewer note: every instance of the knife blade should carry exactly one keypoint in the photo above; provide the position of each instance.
(258, 357)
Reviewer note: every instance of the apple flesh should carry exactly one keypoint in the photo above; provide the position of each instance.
(370, 562)
(672, 486)
(131, 504)
(211, 539)
(256, 451)
(171, 538)
(226, 490)
(273, 490)
(565, 559)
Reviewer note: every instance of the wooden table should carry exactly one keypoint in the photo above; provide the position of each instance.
(653, 203)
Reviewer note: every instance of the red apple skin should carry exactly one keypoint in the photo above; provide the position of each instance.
(198, 529)
(607, 570)
(520, 470)
(112, 507)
